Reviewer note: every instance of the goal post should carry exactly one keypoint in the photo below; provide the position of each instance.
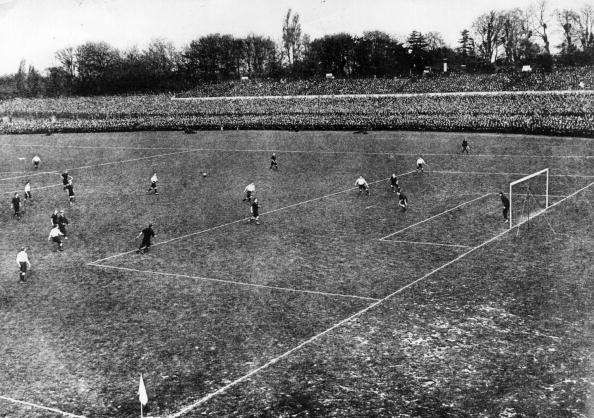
(528, 196)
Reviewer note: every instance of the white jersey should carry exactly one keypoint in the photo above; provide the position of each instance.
(36, 159)
(154, 178)
(55, 232)
(361, 182)
(420, 161)
(22, 257)
(250, 188)
(27, 188)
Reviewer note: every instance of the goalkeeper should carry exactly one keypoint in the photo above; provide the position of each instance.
(505, 202)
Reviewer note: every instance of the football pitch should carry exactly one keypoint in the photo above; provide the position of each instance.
(336, 304)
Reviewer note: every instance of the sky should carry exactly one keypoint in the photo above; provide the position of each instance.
(35, 29)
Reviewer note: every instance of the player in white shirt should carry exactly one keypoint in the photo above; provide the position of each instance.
(154, 181)
(249, 191)
(27, 190)
(22, 260)
(56, 236)
(36, 161)
(362, 185)
(420, 164)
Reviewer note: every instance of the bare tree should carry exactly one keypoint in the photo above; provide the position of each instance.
(539, 23)
(291, 36)
(487, 28)
(568, 20)
(67, 59)
(515, 33)
(585, 23)
(434, 41)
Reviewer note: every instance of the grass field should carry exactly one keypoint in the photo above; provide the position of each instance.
(336, 305)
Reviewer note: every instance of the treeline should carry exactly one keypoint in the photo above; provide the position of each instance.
(497, 39)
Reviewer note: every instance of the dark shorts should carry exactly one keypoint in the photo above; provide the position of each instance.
(23, 267)
(362, 187)
(248, 194)
(153, 184)
(57, 239)
(70, 191)
(419, 166)
(145, 243)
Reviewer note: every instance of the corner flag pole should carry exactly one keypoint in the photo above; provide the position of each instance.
(142, 397)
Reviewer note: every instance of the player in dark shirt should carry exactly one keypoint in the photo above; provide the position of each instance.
(465, 146)
(70, 187)
(62, 222)
(55, 217)
(16, 206)
(255, 211)
(273, 163)
(147, 233)
(402, 202)
(394, 184)
(505, 202)
(65, 178)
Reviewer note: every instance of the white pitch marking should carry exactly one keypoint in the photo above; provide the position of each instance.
(130, 160)
(400, 154)
(435, 216)
(387, 95)
(425, 243)
(30, 175)
(246, 219)
(66, 414)
(223, 389)
(491, 173)
(96, 165)
(210, 279)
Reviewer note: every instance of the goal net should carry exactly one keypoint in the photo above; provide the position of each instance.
(528, 197)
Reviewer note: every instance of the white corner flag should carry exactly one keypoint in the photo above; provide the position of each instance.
(142, 394)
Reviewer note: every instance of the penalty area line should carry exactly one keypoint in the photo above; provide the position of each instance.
(275, 360)
(235, 282)
(33, 405)
(246, 219)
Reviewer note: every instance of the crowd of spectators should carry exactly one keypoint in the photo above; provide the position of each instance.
(501, 102)
(573, 78)
(570, 113)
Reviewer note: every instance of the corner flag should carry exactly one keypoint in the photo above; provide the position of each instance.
(142, 392)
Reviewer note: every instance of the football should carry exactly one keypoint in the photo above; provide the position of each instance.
(204, 174)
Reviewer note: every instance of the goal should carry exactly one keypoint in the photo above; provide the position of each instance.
(528, 197)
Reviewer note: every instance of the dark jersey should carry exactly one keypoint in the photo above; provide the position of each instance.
(505, 201)
(273, 159)
(147, 234)
(403, 200)
(64, 179)
(55, 218)
(465, 144)
(61, 220)
(394, 181)
(70, 189)
(16, 203)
